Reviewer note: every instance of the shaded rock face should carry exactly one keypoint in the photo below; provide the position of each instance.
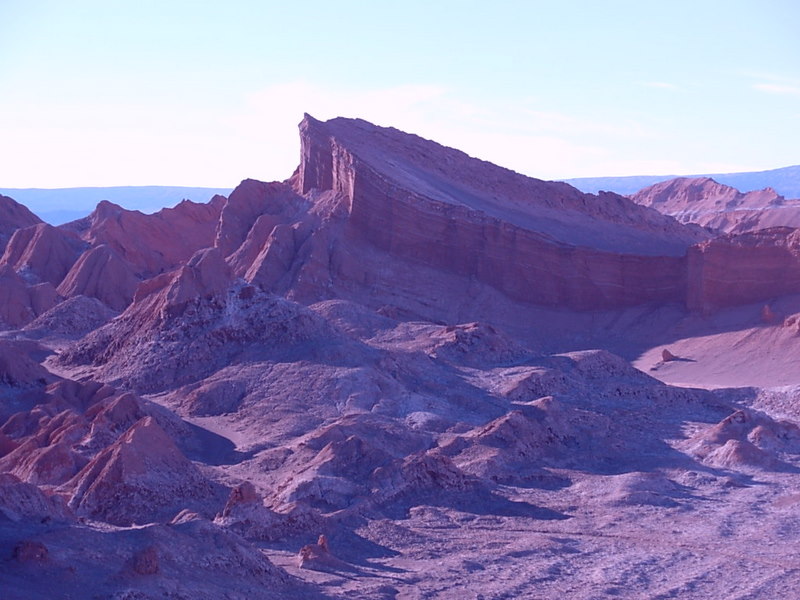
(740, 269)
(20, 302)
(13, 216)
(140, 477)
(421, 202)
(254, 204)
(42, 253)
(151, 244)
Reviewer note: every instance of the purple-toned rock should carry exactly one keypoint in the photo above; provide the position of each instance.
(141, 477)
(703, 201)
(100, 273)
(13, 216)
(421, 202)
(42, 253)
(740, 269)
(151, 244)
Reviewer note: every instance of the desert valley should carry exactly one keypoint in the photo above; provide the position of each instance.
(403, 373)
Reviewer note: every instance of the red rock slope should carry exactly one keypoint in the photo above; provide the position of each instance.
(703, 201)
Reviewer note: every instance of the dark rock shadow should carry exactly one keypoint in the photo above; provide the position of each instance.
(211, 448)
(483, 502)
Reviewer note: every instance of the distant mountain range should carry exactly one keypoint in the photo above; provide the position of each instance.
(61, 205)
(785, 181)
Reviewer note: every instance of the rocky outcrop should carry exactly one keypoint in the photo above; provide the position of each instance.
(186, 325)
(13, 216)
(72, 318)
(42, 253)
(100, 273)
(254, 204)
(703, 201)
(20, 302)
(24, 501)
(421, 202)
(141, 477)
(739, 269)
(745, 439)
(151, 244)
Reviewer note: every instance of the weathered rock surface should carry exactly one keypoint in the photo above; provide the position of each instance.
(100, 273)
(73, 318)
(151, 244)
(705, 202)
(141, 477)
(420, 202)
(42, 253)
(13, 216)
(739, 269)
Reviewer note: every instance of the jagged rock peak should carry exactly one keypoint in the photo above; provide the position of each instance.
(13, 216)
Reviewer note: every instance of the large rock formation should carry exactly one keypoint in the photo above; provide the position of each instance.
(140, 477)
(13, 216)
(151, 244)
(740, 269)
(703, 201)
(422, 203)
(42, 253)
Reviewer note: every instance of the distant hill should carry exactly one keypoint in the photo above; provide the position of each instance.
(61, 205)
(785, 181)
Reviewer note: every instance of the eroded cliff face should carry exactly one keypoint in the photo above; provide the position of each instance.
(740, 269)
(537, 242)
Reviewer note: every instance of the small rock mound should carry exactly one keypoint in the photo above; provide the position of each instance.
(745, 439)
(73, 318)
(141, 477)
(477, 344)
(246, 515)
(318, 556)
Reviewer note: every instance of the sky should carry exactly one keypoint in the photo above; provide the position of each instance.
(102, 93)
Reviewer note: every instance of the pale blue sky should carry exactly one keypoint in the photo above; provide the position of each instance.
(200, 93)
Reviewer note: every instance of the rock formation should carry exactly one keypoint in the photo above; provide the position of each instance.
(100, 273)
(42, 253)
(140, 477)
(720, 207)
(151, 244)
(418, 355)
(730, 270)
(13, 216)
(417, 201)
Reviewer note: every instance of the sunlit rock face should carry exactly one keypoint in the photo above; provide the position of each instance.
(537, 242)
(703, 201)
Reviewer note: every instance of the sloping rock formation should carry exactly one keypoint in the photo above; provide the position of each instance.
(42, 253)
(141, 477)
(426, 204)
(703, 201)
(13, 216)
(151, 244)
